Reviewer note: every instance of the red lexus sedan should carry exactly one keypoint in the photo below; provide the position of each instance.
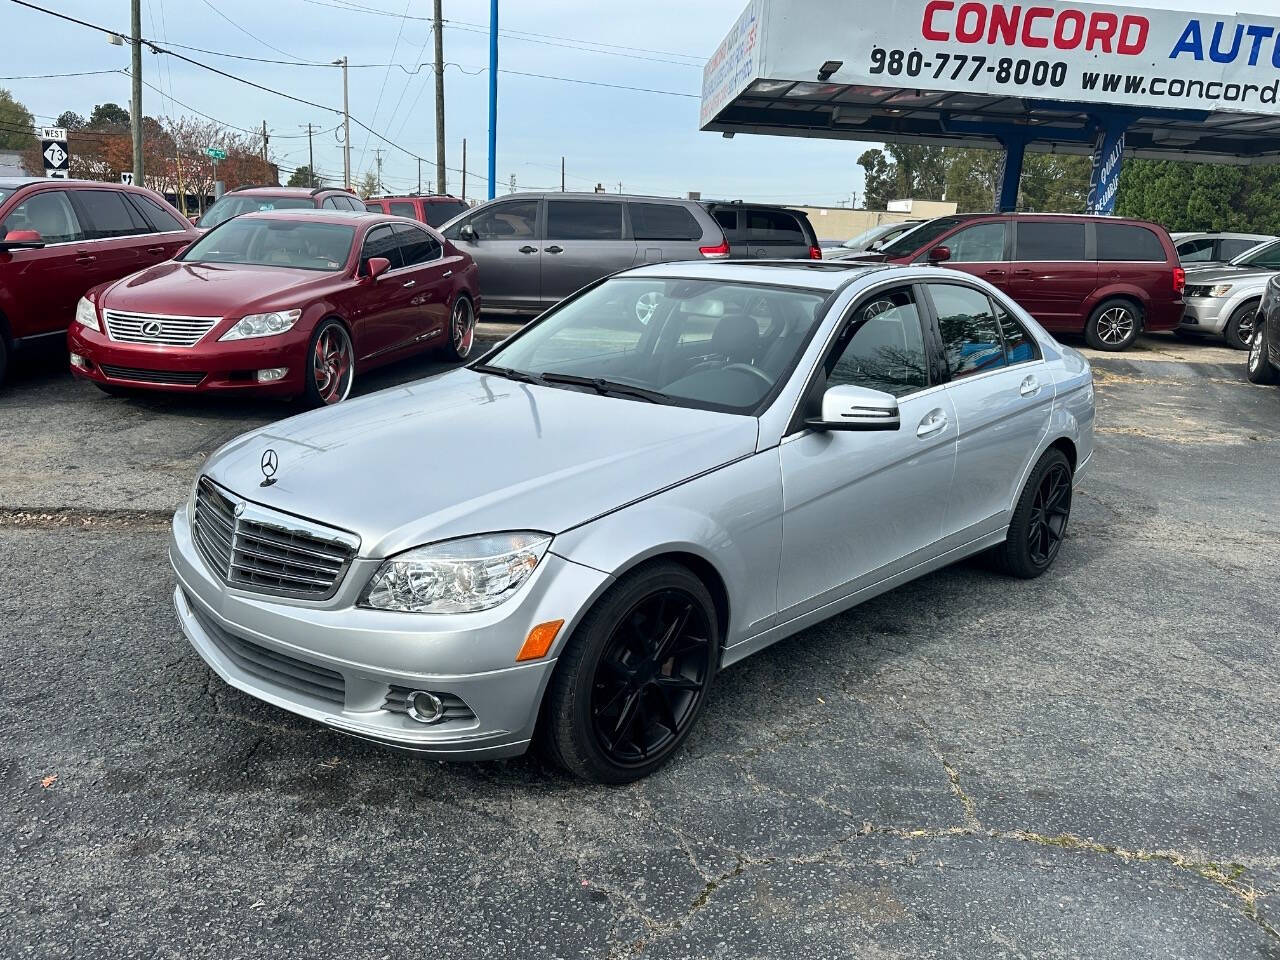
(282, 304)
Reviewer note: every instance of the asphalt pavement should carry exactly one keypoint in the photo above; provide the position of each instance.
(1084, 765)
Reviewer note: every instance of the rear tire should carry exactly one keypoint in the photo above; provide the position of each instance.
(1039, 522)
(1113, 325)
(1239, 331)
(1259, 368)
(462, 329)
(633, 678)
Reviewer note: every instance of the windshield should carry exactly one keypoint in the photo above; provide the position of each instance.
(233, 205)
(1267, 255)
(696, 343)
(863, 240)
(299, 244)
(921, 236)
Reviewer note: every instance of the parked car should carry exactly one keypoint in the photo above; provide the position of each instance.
(1223, 300)
(1106, 277)
(281, 304)
(243, 200)
(58, 238)
(1210, 248)
(766, 232)
(534, 249)
(871, 239)
(571, 536)
(1264, 346)
(434, 210)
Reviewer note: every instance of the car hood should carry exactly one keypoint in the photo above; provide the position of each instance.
(467, 453)
(207, 289)
(1226, 273)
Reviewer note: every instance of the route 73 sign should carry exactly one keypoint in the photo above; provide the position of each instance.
(53, 146)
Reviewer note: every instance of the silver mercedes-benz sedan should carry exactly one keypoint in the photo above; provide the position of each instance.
(564, 541)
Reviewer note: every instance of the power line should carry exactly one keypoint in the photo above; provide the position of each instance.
(382, 89)
(253, 36)
(456, 25)
(48, 76)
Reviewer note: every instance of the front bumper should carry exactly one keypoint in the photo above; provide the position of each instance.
(1205, 314)
(210, 366)
(367, 654)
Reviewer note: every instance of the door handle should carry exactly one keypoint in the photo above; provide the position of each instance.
(995, 273)
(85, 258)
(446, 274)
(553, 249)
(155, 251)
(528, 249)
(1029, 387)
(1022, 273)
(409, 283)
(934, 421)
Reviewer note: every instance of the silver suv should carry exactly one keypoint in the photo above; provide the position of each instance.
(1213, 247)
(1223, 300)
(534, 249)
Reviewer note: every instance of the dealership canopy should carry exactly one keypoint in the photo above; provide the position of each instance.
(1044, 76)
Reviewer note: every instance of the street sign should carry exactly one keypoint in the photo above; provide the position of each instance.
(126, 177)
(53, 146)
(216, 153)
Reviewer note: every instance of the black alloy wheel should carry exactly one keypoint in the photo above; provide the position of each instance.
(1239, 331)
(633, 678)
(1039, 522)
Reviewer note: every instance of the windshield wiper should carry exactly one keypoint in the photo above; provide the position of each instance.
(509, 372)
(607, 387)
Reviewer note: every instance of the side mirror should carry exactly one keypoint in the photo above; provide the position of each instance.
(467, 232)
(847, 407)
(22, 239)
(939, 254)
(378, 266)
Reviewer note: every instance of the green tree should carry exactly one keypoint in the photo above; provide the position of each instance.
(70, 120)
(1054, 183)
(368, 184)
(880, 179)
(17, 125)
(919, 171)
(107, 115)
(973, 178)
(303, 177)
(1201, 196)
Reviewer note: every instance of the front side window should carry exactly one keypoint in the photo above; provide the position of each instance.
(233, 205)
(1267, 257)
(417, 246)
(981, 243)
(110, 215)
(886, 351)
(701, 343)
(298, 244)
(971, 339)
(1230, 249)
(921, 238)
(1194, 251)
(584, 220)
(49, 213)
(1050, 240)
(513, 220)
(663, 221)
(403, 208)
(381, 242)
(1127, 241)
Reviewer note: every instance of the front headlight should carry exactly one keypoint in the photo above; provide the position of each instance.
(87, 314)
(457, 576)
(262, 325)
(1220, 290)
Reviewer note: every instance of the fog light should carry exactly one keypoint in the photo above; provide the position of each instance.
(425, 707)
(272, 375)
(79, 361)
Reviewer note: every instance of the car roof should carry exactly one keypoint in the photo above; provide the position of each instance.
(805, 274)
(285, 191)
(560, 195)
(428, 197)
(321, 216)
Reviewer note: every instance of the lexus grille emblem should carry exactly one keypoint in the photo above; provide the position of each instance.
(270, 462)
(152, 328)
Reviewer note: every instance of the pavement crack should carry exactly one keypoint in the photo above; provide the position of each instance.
(40, 518)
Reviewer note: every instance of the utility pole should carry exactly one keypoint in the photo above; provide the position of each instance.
(377, 154)
(440, 159)
(419, 175)
(346, 127)
(135, 111)
(493, 98)
(264, 143)
(562, 174)
(464, 169)
(311, 161)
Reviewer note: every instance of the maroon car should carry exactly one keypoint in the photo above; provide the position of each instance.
(263, 199)
(58, 238)
(282, 304)
(1105, 277)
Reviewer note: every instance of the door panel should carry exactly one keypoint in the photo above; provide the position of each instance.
(43, 286)
(427, 279)
(584, 243)
(384, 303)
(1050, 275)
(981, 251)
(508, 251)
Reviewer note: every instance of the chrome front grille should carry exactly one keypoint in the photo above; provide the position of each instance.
(262, 550)
(154, 329)
(183, 378)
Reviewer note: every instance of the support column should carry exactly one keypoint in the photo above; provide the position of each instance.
(1108, 159)
(1011, 175)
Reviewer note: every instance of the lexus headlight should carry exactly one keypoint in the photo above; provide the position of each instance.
(87, 314)
(1220, 290)
(262, 325)
(457, 576)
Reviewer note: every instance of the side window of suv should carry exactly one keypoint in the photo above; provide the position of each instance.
(403, 208)
(981, 243)
(886, 351)
(110, 215)
(50, 214)
(971, 338)
(1050, 240)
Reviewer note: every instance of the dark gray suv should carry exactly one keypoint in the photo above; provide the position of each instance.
(534, 249)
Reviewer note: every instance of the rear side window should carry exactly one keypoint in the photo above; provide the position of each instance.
(110, 215)
(773, 226)
(663, 221)
(373, 206)
(1050, 240)
(49, 213)
(1192, 251)
(334, 203)
(163, 220)
(971, 336)
(438, 214)
(381, 242)
(1019, 345)
(403, 208)
(417, 246)
(1125, 241)
(584, 220)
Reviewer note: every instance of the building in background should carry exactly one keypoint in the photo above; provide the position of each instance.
(841, 223)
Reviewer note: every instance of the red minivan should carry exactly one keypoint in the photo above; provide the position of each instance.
(58, 238)
(1105, 277)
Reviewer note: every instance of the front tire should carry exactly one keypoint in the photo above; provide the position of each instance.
(1113, 325)
(633, 678)
(1039, 521)
(331, 364)
(1260, 370)
(1239, 330)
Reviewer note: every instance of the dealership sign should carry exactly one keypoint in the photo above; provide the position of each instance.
(1117, 55)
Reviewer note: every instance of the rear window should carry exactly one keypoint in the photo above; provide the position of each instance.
(584, 220)
(774, 226)
(1125, 241)
(233, 205)
(162, 219)
(441, 212)
(1050, 240)
(663, 221)
(403, 208)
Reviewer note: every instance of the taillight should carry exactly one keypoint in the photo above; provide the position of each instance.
(815, 253)
(718, 252)
(1179, 280)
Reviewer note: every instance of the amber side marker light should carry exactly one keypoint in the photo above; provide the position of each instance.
(539, 640)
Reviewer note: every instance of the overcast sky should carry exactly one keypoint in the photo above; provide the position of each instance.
(647, 141)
